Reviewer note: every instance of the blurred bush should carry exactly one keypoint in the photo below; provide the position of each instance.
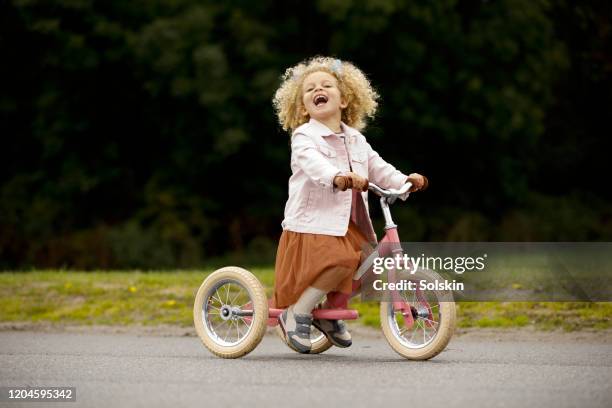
(141, 134)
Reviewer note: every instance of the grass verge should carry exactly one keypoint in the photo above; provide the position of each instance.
(155, 298)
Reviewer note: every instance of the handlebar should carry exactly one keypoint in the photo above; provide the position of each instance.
(390, 194)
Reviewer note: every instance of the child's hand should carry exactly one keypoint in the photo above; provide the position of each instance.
(351, 180)
(418, 182)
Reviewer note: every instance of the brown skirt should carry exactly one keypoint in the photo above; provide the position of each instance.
(323, 261)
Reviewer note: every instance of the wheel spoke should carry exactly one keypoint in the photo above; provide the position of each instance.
(227, 293)
(412, 336)
(433, 328)
(246, 328)
(230, 331)
(222, 323)
(238, 330)
(235, 296)
(227, 332)
(420, 326)
(218, 299)
(424, 341)
(219, 328)
(244, 321)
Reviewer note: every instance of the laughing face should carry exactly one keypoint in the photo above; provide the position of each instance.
(321, 97)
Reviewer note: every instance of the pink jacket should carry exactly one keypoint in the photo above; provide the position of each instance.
(317, 156)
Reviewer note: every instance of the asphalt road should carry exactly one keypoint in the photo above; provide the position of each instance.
(122, 370)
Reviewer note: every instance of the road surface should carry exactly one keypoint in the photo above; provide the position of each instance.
(127, 370)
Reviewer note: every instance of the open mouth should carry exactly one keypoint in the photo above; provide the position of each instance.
(320, 100)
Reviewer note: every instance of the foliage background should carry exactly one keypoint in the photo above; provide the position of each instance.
(140, 134)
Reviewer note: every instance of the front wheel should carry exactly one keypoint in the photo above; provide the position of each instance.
(230, 312)
(434, 318)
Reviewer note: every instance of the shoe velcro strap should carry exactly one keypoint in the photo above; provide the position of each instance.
(303, 328)
(303, 319)
(339, 326)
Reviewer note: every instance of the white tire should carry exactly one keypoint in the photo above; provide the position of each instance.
(230, 312)
(433, 325)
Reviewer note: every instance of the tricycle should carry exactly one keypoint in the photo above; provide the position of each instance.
(231, 310)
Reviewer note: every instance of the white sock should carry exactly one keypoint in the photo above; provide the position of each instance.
(308, 300)
(290, 324)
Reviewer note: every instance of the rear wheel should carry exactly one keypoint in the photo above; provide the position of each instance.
(230, 312)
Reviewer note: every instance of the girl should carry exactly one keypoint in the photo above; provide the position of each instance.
(324, 102)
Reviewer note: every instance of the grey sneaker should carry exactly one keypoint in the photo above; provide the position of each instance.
(298, 339)
(335, 331)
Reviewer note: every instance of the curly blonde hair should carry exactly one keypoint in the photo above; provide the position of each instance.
(353, 84)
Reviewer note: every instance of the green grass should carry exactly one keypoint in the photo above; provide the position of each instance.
(568, 316)
(154, 298)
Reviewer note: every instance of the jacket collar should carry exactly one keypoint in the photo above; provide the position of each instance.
(320, 129)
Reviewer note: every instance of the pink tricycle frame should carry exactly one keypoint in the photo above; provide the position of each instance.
(337, 302)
